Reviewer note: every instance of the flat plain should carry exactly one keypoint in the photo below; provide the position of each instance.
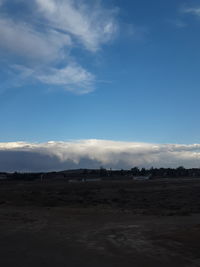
(100, 224)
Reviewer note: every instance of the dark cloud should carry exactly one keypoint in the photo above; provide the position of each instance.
(54, 156)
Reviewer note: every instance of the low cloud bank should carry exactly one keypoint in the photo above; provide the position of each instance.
(50, 156)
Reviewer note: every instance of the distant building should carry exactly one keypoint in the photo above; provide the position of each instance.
(83, 180)
(142, 178)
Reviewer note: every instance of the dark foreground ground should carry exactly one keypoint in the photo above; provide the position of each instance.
(104, 224)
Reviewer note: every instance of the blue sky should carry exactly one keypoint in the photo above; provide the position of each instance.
(121, 70)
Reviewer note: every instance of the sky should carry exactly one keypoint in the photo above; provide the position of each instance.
(88, 83)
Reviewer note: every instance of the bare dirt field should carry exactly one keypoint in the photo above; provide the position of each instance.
(100, 224)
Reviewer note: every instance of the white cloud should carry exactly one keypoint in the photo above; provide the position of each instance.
(191, 10)
(39, 42)
(94, 153)
(23, 41)
(72, 78)
(92, 25)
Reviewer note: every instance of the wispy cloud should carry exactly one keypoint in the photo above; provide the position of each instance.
(43, 41)
(191, 10)
(94, 153)
(92, 25)
(22, 40)
(73, 78)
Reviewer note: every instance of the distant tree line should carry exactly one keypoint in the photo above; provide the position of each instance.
(22, 176)
(179, 172)
(154, 172)
(167, 172)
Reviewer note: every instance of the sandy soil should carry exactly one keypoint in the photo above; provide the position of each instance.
(154, 223)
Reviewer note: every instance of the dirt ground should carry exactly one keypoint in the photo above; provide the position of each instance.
(100, 224)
